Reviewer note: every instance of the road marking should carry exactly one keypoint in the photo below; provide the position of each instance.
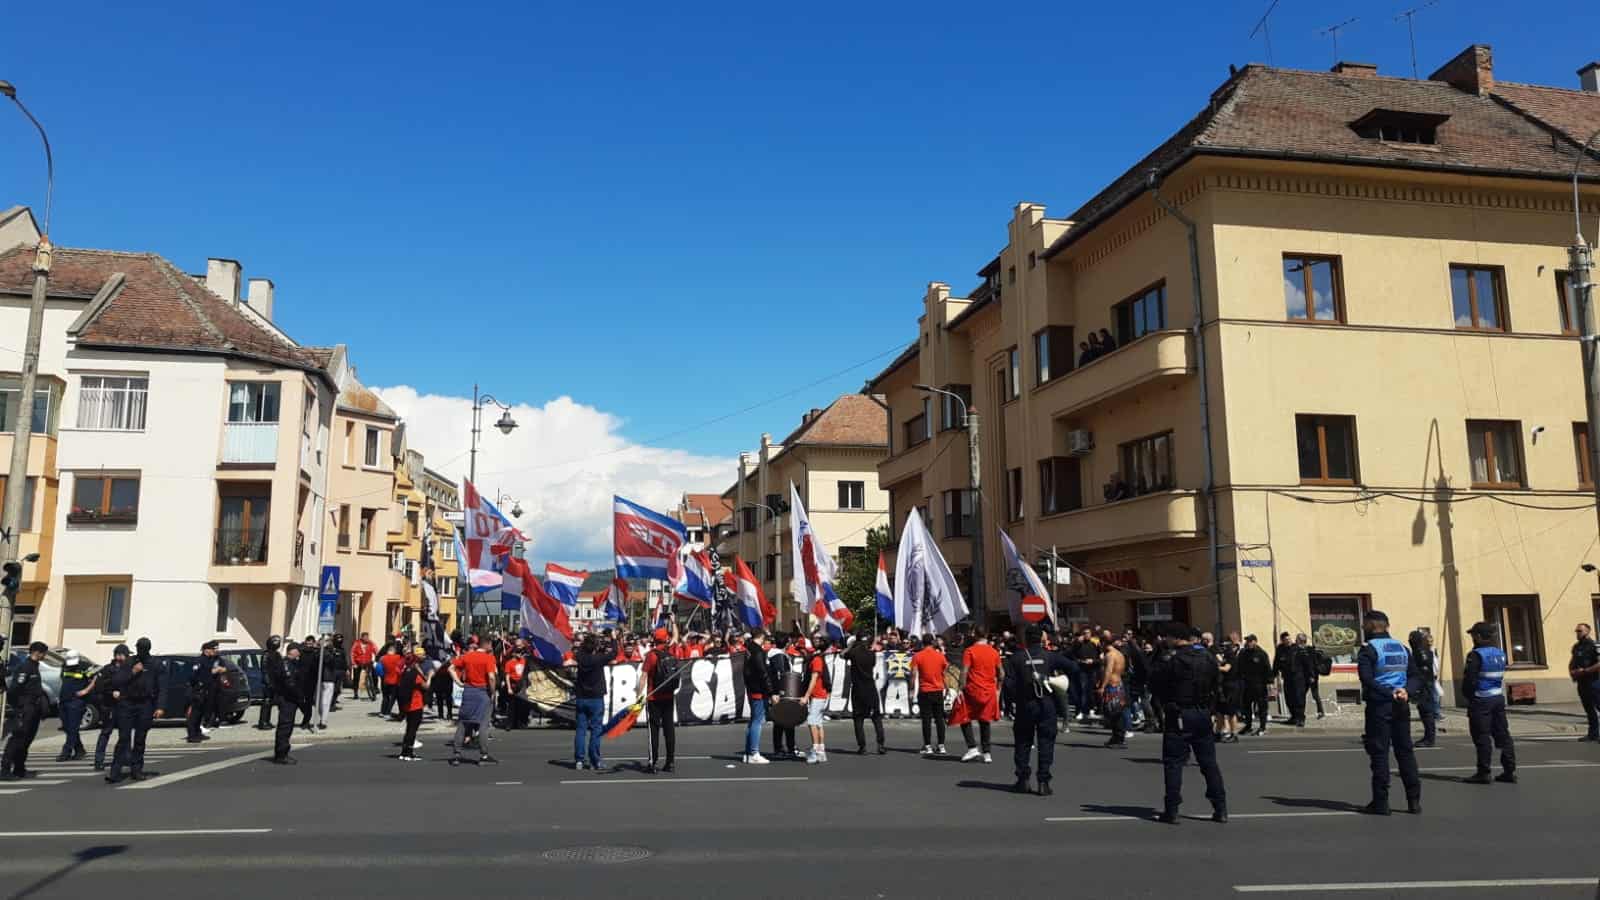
(6, 792)
(154, 832)
(1267, 815)
(58, 773)
(41, 782)
(670, 780)
(1334, 750)
(1415, 885)
(502, 783)
(647, 759)
(197, 771)
(1573, 765)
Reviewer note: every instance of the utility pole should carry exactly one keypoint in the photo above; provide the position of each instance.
(1581, 260)
(22, 431)
(975, 479)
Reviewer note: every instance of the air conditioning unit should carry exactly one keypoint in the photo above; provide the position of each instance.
(1080, 441)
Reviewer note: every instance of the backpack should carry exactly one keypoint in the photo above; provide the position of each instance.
(827, 671)
(1321, 661)
(667, 667)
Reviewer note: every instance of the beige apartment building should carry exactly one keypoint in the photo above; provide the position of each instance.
(1342, 374)
(832, 458)
(361, 487)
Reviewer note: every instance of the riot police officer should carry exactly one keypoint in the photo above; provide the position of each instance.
(1027, 674)
(27, 695)
(1484, 691)
(1584, 667)
(272, 659)
(286, 681)
(126, 686)
(153, 689)
(1185, 684)
(202, 690)
(105, 704)
(74, 701)
(1389, 676)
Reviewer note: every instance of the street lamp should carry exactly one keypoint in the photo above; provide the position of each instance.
(501, 496)
(506, 425)
(22, 432)
(969, 418)
(777, 552)
(1581, 259)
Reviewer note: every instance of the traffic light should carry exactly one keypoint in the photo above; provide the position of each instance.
(12, 579)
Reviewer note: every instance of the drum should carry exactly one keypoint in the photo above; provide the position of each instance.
(792, 685)
(787, 713)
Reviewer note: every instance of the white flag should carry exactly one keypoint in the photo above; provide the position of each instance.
(926, 597)
(1028, 599)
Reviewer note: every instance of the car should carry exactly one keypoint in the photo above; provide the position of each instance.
(250, 662)
(50, 673)
(175, 702)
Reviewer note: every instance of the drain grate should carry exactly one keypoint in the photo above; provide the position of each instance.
(601, 855)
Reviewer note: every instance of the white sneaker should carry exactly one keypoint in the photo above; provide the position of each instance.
(756, 759)
(927, 749)
(822, 755)
(416, 745)
(1082, 717)
(987, 758)
(971, 755)
(812, 758)
(942, 751)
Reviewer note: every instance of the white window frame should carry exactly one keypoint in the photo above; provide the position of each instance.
(256, 393)
(105, 610)
(96, 385)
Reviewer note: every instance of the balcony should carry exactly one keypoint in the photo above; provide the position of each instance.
(1158, 357)
(250, 444)
(903, 465)
(1161, 516)
(240, 547)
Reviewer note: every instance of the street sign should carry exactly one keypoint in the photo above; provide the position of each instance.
(1034, 609)
(327, 599)
(1256, 563)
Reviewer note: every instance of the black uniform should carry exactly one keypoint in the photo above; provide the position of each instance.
(1585, 654)
(270, 660)
(1292, 663)
(1426, 703)
(153, 687)
(864, 703)
(129, 690)
(286, 680)
(202, 690)
(1255, 676)
(1186, 684)
(27, 697)
(1027, 673)
(1227, 654)
(310, 677)
(1388, 722)
(107, 710)
(1486, 718)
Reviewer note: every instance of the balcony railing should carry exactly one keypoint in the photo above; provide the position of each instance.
(250, 443)
(1160, 356)
(240, 547)
(299, 549)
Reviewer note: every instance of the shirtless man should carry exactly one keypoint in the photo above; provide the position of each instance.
(1113, 695)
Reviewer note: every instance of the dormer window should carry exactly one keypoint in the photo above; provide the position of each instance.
(1399, 127)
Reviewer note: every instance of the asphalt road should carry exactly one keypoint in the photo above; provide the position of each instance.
(351, 820)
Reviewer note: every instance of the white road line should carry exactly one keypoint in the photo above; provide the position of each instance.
(1415, 885)
(1575, 765)
(6, 792)
(154, 832)
(670, 780)
(1268, 815)
(57, 773)
(501, 783)
(647, 759)
(42, 782)
(207, 769)
(1333, 750)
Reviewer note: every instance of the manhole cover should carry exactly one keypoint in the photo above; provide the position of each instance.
(601, 855)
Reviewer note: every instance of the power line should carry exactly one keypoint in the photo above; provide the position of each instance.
(1263, 30)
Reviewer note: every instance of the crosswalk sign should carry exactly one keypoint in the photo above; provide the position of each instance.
(328, 587)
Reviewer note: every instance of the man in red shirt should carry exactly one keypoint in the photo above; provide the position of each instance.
(392, 663)
(930, 664)
(477, 673)
(819, 684)
(515, 669)
(661, 692)
(362, 654)
(980, 694)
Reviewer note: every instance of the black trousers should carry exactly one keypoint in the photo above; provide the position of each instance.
(863, 706)
(444, 700)
(280, 739)
(126, 718)
(930, 706)
(268, 701)
(1589, 696)
(1254, 706)
(413, 722)
(1388, 726)
(144, 718)
(983, 735)
(15, 758)
(782, 740)
(662, 725)
(108, 725)
(1316, 694)
(1035, 723)
(198, 706)
(1189, 731)
(1486, 721)
(388, 699)
(1294, 690)
(1428, 711)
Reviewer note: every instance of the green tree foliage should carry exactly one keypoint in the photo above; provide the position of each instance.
(858, 574)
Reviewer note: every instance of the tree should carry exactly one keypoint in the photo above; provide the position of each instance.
(858, 574)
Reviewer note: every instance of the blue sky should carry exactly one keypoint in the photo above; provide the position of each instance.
(664, 214)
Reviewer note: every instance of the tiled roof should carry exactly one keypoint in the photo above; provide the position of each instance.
(713, 507)
(322, 355)
(1291, 114)
(157, 307)
(852, 420)
(358, 397)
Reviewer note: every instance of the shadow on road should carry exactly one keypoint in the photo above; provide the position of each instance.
(1128, 812)
(1314, 803)
(1002, 786)
(80, 859)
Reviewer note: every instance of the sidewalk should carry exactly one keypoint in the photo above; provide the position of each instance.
(355, 719)
(1533, 721)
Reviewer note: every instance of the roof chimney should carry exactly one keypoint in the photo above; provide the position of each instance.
(1472, 70)
(222, 278)
(1589, 77)
(806, 418)
(260, 297)
(1357, 69)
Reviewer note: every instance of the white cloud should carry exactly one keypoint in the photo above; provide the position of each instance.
(563, 463)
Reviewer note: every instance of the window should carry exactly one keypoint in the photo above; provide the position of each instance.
(1059, 485)
(1013, 495)
(1336, 625)
(104, 498)
(916, 429)
(950, 410)
(447, 585)
(1313, 289)
(1477, 297)
(1164, 609)
(9, 409)
(116, 620)
(750, 521)
(958, 513)
(1011, 275)
(1520, 624)
(1141, 314)
(852, 495)
(1327, 448)
(1580, 449)
(370, 456)
(252, 402)
(1033, 259)
(224, 609)
(1052, 353)
(447, 550)
(369, 521)
(344, 526)
(112, 403)
(242, 523)
(1399, 126)
(1147, 464)
(1496, 452)
(411, 524)
(29, 486)
(305, 413)
(772, 565)
(1567, 300)
(1014, 374)
(1076, 615)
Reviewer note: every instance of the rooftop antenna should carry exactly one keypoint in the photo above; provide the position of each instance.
(1333, 32)
(1411, 32)
(1262, 29)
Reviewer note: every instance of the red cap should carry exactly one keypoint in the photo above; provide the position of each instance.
(661, 635)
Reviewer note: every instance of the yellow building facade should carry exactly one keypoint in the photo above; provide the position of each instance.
(1381, 358)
